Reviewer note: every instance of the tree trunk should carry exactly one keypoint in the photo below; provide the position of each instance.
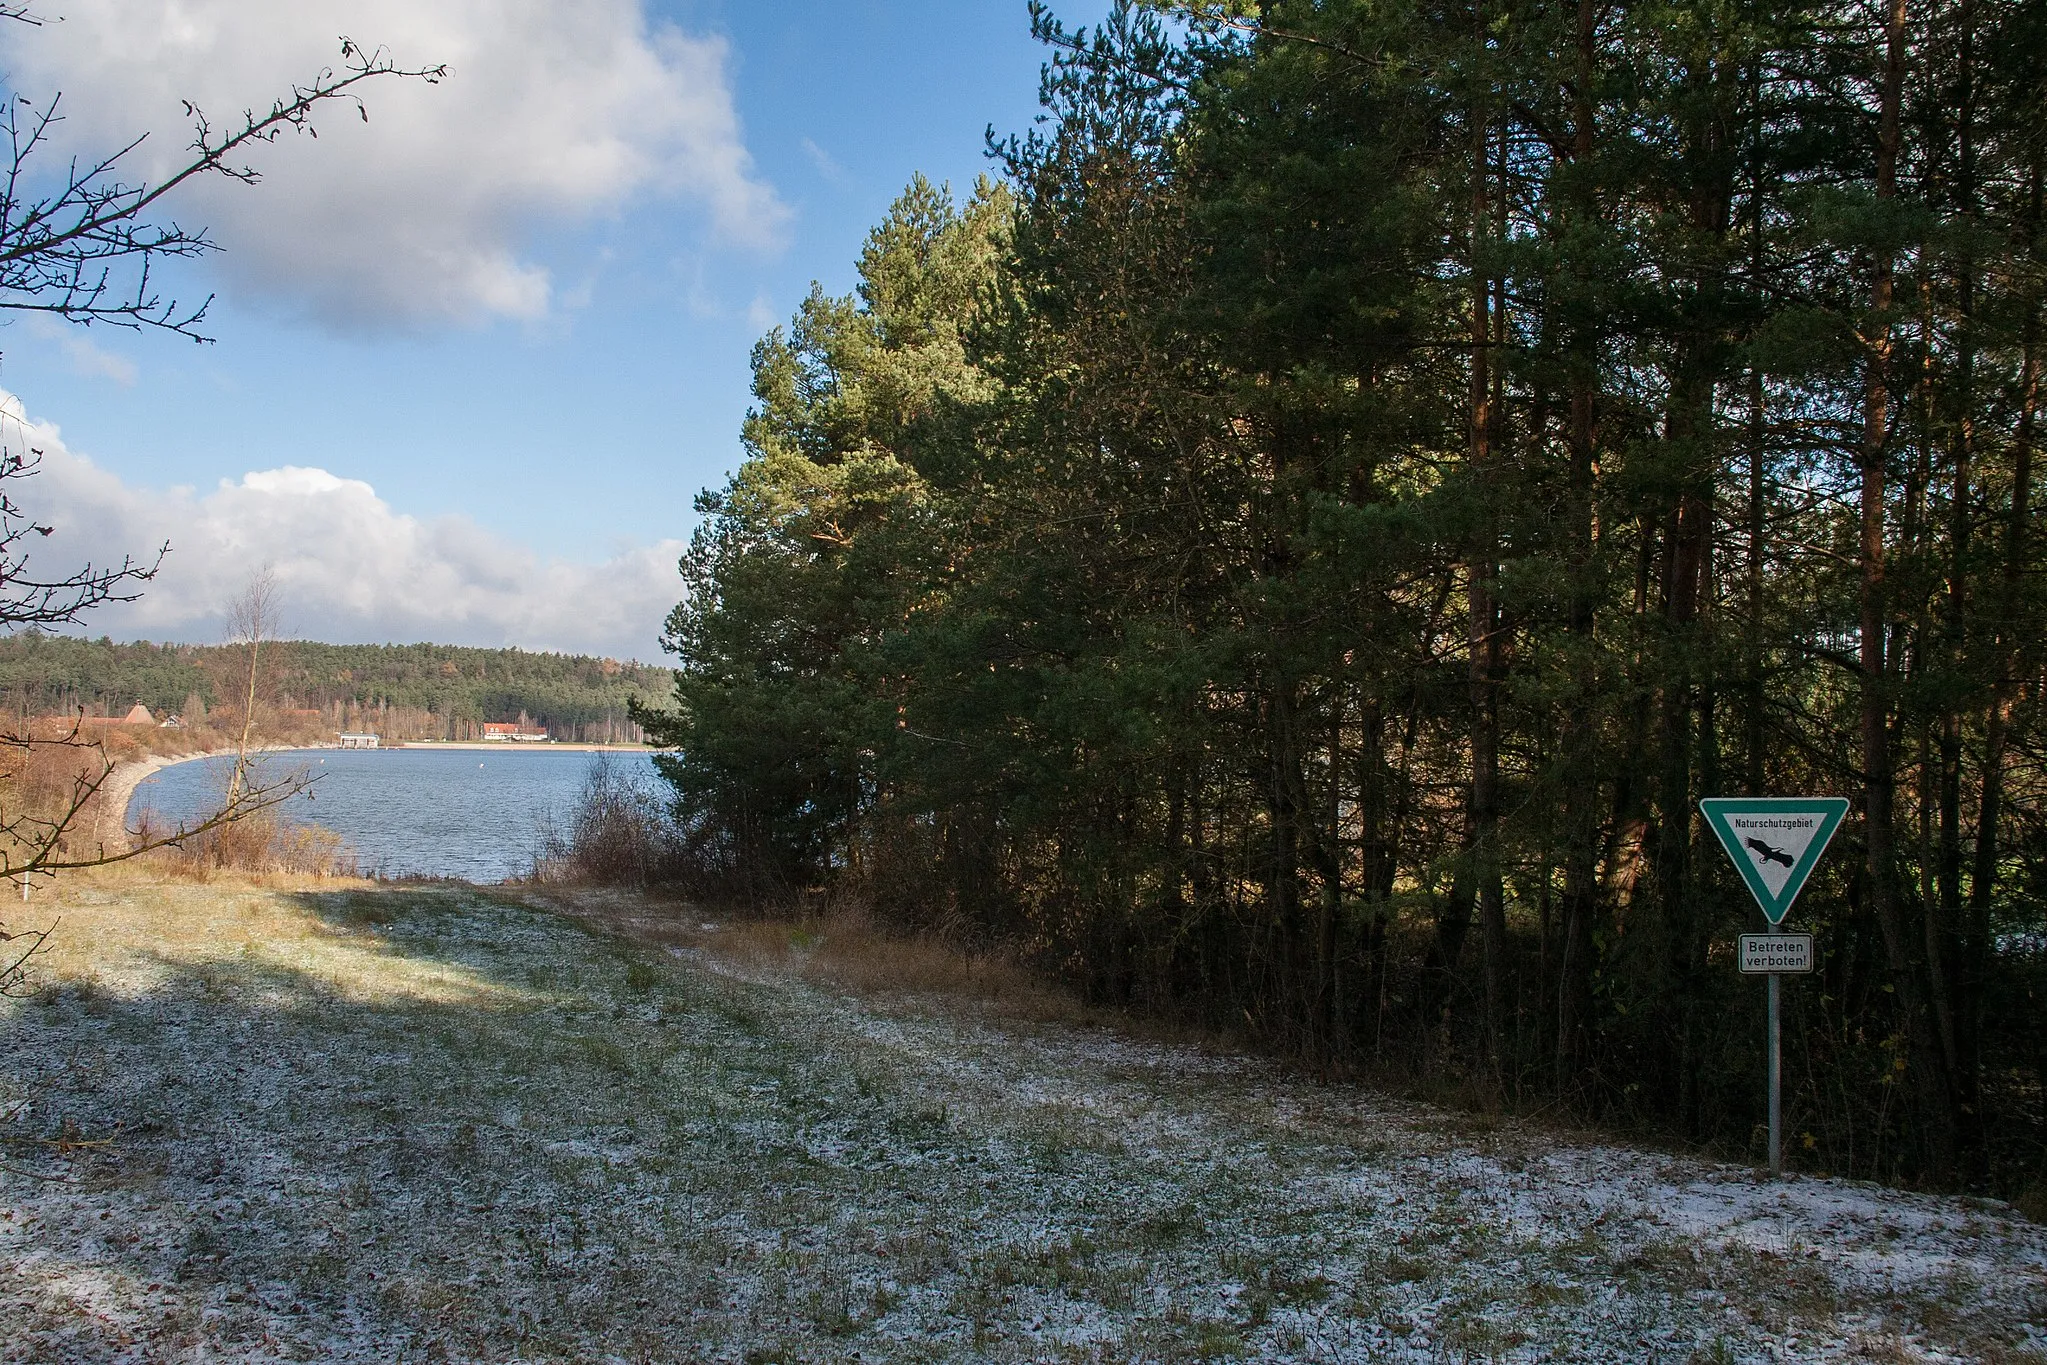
(1946, 931)
(1483, 809)
(1878, 764)
(1581, 735)
(2010, 653)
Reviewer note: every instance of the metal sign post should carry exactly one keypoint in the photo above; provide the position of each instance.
(1776, 1085)
(1775, 842)
(1773, 955)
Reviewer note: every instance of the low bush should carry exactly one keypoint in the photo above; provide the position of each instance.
(620, 832)
(262, 842)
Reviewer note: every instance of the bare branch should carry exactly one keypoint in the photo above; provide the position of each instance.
(69, 253)
(30, 600)
(37, 844)
(72, 252)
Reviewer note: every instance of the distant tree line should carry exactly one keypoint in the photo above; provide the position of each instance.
(1299, 549)
(411, 691)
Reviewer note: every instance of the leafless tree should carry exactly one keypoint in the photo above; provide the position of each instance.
(85, 251)
(27, 600)
(251, 619)
(40, 841)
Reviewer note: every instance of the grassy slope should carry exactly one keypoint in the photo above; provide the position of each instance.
(386, 1123)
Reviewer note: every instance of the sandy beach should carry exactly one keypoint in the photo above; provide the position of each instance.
(119, 788)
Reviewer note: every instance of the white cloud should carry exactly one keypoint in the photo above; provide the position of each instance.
(349, 568)
(827, 165)
(87, 359)
(428, 212)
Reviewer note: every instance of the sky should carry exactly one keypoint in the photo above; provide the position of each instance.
(474, 356)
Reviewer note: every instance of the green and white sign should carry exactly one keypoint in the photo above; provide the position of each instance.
(1775, 842)
(1776, 954)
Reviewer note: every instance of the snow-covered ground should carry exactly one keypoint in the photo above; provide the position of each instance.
(438, 1125)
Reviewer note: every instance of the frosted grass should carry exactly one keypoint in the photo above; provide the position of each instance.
(412, 1124)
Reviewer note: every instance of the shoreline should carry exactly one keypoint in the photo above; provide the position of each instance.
(118, 791)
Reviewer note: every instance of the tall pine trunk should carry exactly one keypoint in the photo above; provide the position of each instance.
(1484, 625)
(2010, 649)
(1879, 779)
(1947, 932)
(1581, 732)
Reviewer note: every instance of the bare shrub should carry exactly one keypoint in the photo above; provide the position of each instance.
(620, 832)
(41, 772)
(265, 842)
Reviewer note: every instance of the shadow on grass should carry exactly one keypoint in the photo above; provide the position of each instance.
(387, 1123)
(403, 1123)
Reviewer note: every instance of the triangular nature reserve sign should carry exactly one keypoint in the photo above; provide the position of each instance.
(1775, 842)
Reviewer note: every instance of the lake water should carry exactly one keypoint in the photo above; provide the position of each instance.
(406, 812)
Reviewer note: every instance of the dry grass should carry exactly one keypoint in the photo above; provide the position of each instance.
(130, 743)
(263, 844)
(846, 950)
(45, 769)
(260, 843)
(131, 917)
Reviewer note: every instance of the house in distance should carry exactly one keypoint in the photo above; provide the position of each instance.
(515, 732)
(138, 714)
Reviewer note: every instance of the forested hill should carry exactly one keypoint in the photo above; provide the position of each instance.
(407, 691)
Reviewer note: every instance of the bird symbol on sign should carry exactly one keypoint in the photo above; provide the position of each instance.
(1764, 853)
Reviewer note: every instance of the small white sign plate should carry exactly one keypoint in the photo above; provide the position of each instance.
(1776, 954)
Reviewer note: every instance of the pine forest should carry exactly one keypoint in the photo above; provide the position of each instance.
(403, 692)
(1294, 546)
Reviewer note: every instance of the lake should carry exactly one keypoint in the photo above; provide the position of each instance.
(472, 814)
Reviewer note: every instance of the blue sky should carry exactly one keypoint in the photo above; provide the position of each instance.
(572, 432)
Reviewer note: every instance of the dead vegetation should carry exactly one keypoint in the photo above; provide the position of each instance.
(615, 861)
(63, 797)
(264, 844)
(617, 832)
(259, 841)
(840, 948)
